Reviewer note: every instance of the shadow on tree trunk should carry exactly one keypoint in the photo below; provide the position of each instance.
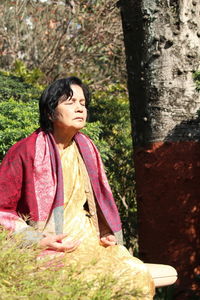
(169, 207)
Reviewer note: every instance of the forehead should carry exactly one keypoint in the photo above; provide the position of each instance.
(77, 91)
(77, 94)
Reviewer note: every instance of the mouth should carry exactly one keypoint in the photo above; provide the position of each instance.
(79, 118)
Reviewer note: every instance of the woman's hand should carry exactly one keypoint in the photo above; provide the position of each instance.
(108, 240)
(56, 243)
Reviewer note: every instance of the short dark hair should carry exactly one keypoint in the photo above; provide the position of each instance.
(51, 96)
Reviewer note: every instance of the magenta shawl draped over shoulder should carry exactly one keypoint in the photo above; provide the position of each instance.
(31, 184)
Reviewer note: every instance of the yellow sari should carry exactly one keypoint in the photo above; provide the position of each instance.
(79, 225)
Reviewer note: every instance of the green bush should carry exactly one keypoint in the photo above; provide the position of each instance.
(32, 77)
(111, 108)
(17, 120)
(14, 87)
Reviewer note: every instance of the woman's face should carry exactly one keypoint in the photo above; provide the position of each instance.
(71, 114)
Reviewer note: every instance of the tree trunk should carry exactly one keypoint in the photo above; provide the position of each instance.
(162, 42)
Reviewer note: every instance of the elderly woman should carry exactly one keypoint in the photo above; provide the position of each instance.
(54, 191)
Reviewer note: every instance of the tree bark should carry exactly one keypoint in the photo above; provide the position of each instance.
(162, 42)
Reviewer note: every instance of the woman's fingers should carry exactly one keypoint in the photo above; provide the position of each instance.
(56, 243)
(60, 237)
(60, 247)
(71, 245)
(111, 238)
(108, 240)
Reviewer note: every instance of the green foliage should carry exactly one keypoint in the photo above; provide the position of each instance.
(22, 276)
(18, 107)
(196, 77)
(111, 108)
(32, 77)
(17, 120)
(12, 86)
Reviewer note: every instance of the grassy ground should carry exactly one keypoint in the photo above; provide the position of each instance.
(23, 277)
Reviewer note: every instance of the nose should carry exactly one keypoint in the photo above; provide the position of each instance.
(79, 107)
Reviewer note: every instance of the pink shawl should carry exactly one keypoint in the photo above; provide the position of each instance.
(31, 184)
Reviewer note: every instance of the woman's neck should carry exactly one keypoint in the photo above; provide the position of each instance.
(62, 139)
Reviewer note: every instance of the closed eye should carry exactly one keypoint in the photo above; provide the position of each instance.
(68, 101)
(73, 100)
(82, 102)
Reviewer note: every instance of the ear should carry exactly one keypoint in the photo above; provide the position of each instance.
(52, 117)
(49, 117)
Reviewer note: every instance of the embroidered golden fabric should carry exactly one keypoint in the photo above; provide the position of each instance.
(79, 225)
